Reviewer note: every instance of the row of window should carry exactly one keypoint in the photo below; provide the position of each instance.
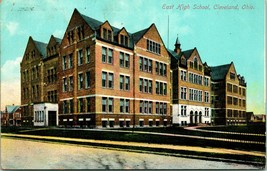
(69, 81)
(146, 65)
(236, 113)
(35, 73)
(52, 96)
(194, 95)
(52, 50)
(153, 46)
(39, 116)
(79, 36)
(108, 35)
(30, 54)
(51, 76)
(235, 101)
(35, 92)
(184, 111)
(194, 64)
(146, 107)
(67, 61)
(235, 89)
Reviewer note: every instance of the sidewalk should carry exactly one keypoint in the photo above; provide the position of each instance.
(135, 144)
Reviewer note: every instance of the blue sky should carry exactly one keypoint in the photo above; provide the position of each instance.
(221, 36)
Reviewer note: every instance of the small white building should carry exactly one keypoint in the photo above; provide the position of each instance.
(189, 114)
(45, 114)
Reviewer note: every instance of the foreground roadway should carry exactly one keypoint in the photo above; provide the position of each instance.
(36, 154)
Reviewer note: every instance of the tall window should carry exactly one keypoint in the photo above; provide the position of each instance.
(71, 83)
(124, 60)
(229, 87)
(150, 65)
(183, 75)
(104, 79)
(145, 85)
(110, 80)
(183, 93)
(80, 81)
(104, 54)
(65, 107)
(110, 56)
(104, 104)
(206, 97)
(150, 86)
(145, 64)
(70, 60)
(64, 62)
(80, 105)
(206, 81)
(127, 83)
(88, 104)
(87, 54)
(87, 76)
(65, 84)
(110, 104)
(124, 82)
(121, 82)
(124, 105)
(183, 110)
(80, 57)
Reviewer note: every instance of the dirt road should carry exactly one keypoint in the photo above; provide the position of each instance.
(26, 154)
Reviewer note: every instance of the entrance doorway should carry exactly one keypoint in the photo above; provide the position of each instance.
(52, 118)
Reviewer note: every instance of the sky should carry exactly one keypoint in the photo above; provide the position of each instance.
(222, 30)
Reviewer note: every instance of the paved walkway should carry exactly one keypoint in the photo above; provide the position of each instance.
(135, 144)
(195, 128)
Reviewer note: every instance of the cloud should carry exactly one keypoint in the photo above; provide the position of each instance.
(10, 82)
(12, 27)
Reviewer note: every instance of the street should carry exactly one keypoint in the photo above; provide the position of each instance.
(28, 154)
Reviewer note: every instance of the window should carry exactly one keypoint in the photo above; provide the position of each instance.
(80, 32)
(157, 107)
(145, 85)
(141, 107)
(121, 82)
(164, 69)
(65, 107)
(157, 87)
(150, 86)
(200, 96)
(164, 88)
(149, 65)
(80, 105)
(65, 84)
(104, 79)
(153, 46)
(109, 35)
(71, 106)
(161, 88)
(104, 104)
(124, 40)
(110, 56)
(87, 76)
(71, 83)
(124, 105)
(244, 103)
(64, 62)
(104, 33)
(88, 104)
(87, 54)
(183, 75)
(232, 76)
(206, 97)
(164, 108)
(195, 63)
(239, 102)
(206, 81)
(110, 80)
(235, 101)
(80, 81)
(229, 87)
(183, 93)
(206, 111)
(110, 104)
(121, 59)
(235, 89)
(145, 64)
(243, 92)
(104, 54)
(183, 110)
(124, 82)
(150, 107)
(124, 60)
(127, 83)
(80, 57)
(141, 63)
(229, 100)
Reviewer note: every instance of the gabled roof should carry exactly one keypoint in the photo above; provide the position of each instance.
(93, 23)
(219, 72)
(41, 47)
(188, 53)
(58, 40)
(138, 35)
(11, 108)
(174, 54)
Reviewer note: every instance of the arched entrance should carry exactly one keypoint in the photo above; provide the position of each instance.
(200, 117)
(191, 117)
(195, 116)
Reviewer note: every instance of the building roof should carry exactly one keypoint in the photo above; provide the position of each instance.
(11, 108)
(58, 40)
(41, 47)
(219, 72)
(188, 53)
(138, 35)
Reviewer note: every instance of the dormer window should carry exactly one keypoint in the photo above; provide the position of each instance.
(183, 61)
(104, 33)
(109, 35)
(124, 40)
(195, 62)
